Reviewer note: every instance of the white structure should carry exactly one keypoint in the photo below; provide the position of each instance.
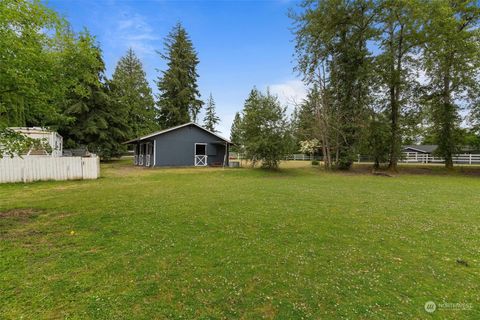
(36, 168)
(51, 137)
(35, 165)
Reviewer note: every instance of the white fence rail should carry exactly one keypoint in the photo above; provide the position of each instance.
(301, 156)
(407, 157)
(414, 157)
(35, 168)
(297, 156)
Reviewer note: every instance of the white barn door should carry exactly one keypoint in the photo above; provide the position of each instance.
(200, 155)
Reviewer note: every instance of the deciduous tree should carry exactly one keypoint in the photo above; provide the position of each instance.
(28, 78)
(451, 60)
(399, 26)
(334, 34)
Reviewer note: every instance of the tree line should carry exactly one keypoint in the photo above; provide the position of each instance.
(383, 73)
(380, 74)
(51, 76)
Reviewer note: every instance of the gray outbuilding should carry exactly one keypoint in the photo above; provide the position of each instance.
(186, 145)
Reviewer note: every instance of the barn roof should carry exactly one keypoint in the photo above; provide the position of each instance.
(426, 148)
(154, 134)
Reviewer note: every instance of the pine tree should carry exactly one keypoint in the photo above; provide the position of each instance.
(95, 122)
(304, 117)
(236, 133)
(265, 130)
(179, 99)
(130, 91)
(211, 119)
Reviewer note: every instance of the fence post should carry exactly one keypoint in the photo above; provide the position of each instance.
(470, 159)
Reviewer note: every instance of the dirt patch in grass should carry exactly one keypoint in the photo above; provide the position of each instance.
(470, 171)
(410, 169)
(13, 219)
(24, 214)
(124, 170)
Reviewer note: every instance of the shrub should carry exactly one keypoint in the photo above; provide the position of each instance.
(315, 163)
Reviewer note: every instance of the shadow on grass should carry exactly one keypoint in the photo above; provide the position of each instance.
(124, 166)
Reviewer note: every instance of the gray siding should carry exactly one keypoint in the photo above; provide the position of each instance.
(177, 147)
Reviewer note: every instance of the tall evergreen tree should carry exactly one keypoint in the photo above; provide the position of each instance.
(95, 122)
(211, 119)
(131, 92)
(304, 118)
(265, 130)
(178, 98)
(451, 59)
(236, 132)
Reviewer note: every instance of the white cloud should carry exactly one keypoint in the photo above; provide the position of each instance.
(132, 30)
(290, 92)
(125, 24)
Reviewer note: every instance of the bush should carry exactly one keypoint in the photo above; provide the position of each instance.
(315, 163)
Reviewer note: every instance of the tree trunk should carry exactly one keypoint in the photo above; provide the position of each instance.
(328, 163)
(396, 74)
(448, 118)
(393, 159)
(324, 152)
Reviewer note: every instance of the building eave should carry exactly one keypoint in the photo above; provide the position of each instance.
(136, 140)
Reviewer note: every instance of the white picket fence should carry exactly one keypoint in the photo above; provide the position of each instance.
(35, 168)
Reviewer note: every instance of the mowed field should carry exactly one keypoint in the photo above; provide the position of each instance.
(212, 243)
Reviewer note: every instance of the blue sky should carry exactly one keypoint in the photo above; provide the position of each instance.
(239, 43)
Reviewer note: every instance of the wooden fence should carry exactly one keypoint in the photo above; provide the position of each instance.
(35, 168)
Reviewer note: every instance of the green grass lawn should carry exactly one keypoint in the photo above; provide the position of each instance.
(240, 244)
